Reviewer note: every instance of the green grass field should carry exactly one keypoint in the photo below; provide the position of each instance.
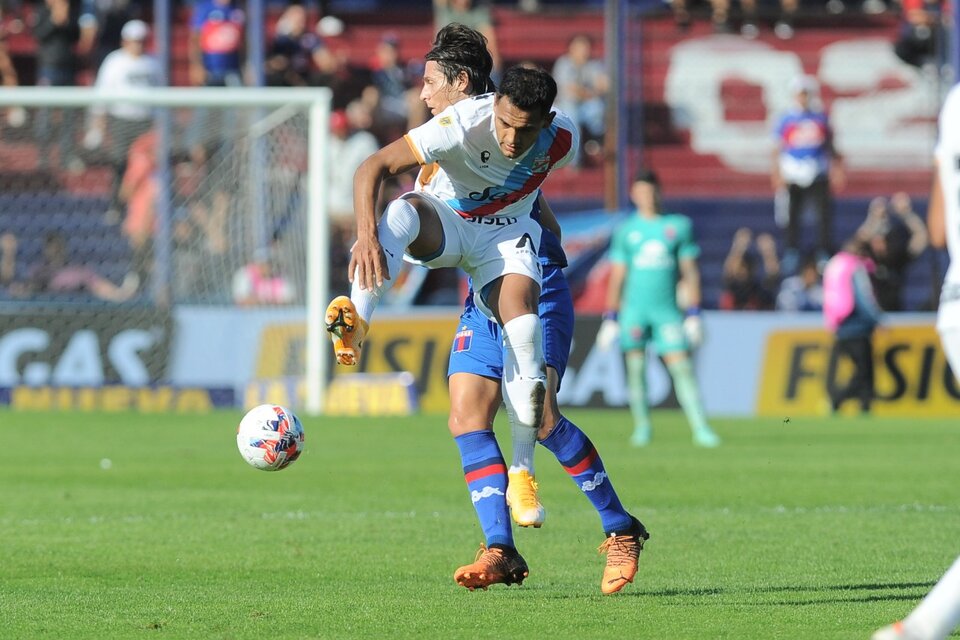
(799, 530)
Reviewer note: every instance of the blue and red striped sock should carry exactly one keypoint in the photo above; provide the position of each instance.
(486, 476)
(580, 459)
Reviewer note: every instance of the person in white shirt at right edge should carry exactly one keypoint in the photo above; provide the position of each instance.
(935, 617)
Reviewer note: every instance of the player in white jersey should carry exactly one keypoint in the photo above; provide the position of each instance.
(496, 150)
(458, 67)
(939, 612)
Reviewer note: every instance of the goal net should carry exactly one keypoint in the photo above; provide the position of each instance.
(162, 250)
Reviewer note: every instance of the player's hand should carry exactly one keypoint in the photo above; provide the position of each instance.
(693, 330)
(608, 334)
(368, 265)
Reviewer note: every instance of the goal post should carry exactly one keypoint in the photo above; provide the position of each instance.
(263, 151)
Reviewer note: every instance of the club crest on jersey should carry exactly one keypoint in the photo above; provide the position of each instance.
(541, 164)
(445, 121)
(484, 158)
(462, 340)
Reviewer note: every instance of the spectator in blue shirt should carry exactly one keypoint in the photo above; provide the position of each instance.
(216, 52)
(806, 168)
(216, 44)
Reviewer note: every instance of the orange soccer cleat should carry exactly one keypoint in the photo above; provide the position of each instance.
(494, 565)
(623, 552)
(347, 329)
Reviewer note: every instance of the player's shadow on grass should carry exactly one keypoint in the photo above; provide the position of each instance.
(921, 588)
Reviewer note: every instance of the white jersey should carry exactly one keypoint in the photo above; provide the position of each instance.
(120, 70)
(475, 178)
(948, 159)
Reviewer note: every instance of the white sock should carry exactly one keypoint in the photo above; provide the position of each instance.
(399, 226)
(524, 386)
(939, 612)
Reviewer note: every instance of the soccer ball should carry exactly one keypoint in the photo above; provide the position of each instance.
(270, 437)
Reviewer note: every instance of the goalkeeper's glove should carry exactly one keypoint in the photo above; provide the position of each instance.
(609, 331)
(693, 328)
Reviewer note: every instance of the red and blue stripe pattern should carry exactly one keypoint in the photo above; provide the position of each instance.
(484, 469)
(581, 461)
(525, 178)
(486, 476)
(463, 340)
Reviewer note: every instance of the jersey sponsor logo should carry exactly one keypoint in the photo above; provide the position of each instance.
(486, 492)
(524, 239)
(653, 254)
(492, 194)
(490, 220)
(462, 340)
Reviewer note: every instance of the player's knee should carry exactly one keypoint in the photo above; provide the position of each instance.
(466, 421)
(430, 230)
(513, 295)
(523, 336)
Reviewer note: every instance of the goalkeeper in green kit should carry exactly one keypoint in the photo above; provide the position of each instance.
(650, 254)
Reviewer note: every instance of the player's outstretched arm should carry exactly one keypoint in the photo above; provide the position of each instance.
(367, 260)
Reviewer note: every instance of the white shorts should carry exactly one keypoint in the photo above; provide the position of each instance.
(486, 248)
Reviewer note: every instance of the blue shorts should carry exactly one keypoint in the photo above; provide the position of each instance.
(478, 348)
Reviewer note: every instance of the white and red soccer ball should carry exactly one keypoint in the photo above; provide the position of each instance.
(270, 437)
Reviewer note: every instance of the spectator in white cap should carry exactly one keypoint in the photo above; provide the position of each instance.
(127, 68)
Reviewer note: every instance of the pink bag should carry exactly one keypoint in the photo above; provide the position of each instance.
(839, 298)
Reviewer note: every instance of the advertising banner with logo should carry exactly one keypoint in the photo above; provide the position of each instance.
(83, 347)
(766, 364)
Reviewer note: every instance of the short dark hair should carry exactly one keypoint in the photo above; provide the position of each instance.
(649, 176)
(459, 49)
(528, 89)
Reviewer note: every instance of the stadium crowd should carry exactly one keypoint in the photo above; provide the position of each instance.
(376, 99)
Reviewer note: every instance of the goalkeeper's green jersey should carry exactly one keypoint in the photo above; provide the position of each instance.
(652, 249)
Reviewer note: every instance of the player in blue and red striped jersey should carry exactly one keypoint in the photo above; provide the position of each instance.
(457, 63)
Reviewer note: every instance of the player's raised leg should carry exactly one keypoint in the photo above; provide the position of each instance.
(409, 225)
